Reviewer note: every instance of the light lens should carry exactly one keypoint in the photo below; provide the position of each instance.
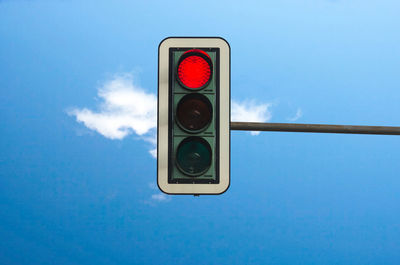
(194, 112)
(194, 69)
(193, 156)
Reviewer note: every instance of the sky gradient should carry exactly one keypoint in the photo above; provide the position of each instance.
(78, 88)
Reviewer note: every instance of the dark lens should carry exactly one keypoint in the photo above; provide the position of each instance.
(193, 156)
(194, 112)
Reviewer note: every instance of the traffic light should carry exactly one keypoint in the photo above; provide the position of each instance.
(193, 148)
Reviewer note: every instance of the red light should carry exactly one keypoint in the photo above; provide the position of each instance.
(197, 50)
(194, 70)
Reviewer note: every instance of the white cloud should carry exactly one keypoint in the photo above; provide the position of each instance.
(160, 197)
(249, 111)
(298, 115)
(153, 140)
(153, 152)
(157, 197)
(126, 109)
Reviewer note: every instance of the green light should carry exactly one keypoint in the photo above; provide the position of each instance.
(193, 156)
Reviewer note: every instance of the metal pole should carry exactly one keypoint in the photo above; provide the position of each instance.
(314, 128)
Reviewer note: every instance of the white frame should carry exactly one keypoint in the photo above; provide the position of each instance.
(224, 122)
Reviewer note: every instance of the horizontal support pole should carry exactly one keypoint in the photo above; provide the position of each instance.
(314, 128)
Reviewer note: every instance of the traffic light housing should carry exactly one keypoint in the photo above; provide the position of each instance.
(193, 148)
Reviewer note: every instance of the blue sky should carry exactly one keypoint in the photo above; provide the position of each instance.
(78, 187)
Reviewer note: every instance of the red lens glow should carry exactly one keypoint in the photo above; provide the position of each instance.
(197, 50)
(194, 71)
